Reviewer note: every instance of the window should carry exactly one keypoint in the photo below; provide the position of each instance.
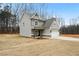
(50, 31)
(23, 24)
(36, 23)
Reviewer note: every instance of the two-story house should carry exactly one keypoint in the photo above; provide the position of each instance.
(36, 26)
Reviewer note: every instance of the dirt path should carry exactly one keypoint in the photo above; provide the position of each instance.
(67, 38)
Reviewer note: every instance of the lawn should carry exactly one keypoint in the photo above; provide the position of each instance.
(13, 44)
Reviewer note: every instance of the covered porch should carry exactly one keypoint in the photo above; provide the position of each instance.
(37, 32)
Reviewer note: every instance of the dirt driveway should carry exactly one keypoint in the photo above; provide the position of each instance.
(15, 45)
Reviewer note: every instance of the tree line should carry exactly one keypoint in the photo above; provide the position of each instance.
(8, 21)
(71, 29)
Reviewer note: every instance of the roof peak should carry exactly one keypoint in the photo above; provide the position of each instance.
(36, 14)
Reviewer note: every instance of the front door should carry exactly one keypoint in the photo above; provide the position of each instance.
(38, 33)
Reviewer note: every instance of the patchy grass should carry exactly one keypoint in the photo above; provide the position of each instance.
(15, 45)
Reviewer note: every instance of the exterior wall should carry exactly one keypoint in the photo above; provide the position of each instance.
(46, 32)
(54, 25)
(25, 26)
(39, 23)
(54, 33)
(52, 30)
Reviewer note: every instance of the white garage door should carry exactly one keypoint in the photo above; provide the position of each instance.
(54, 34)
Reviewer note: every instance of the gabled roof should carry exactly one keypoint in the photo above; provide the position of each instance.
(36, 17)
(49, 22)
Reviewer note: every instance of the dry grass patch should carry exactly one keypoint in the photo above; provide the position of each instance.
(16, 45)
(8, 41)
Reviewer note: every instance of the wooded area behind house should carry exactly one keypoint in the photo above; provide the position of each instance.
(8, 20)
(71, 29)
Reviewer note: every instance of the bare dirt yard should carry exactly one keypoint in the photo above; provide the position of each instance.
(15, 45)
(71, 35)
